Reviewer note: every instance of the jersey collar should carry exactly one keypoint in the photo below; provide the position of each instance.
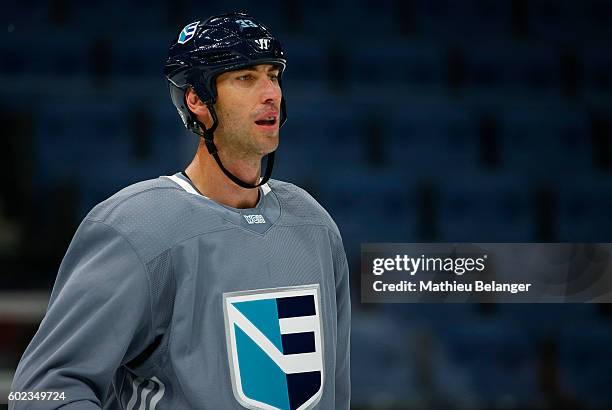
(258, 219)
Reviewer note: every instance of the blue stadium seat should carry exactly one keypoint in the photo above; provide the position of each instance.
(15, 60)
(22, 13)
(55, 54)
(545, 320)
(71, 136)
(370, 207)
(319, 138)
(477, 208)
(545, 141)
(434, 316)
(138, 56)
(92, 142)
(596, 16)
(585, 360)
(360, 19)
(388, 358)
(468, 19)
(120, 18)
(271, 15)
(108, 176)
(308, 61)
(521, 70)
(170, 149)
(551, 19)
(375, 62)
(584, 203)
(431, 138)
(597, 71)
(496, 359)
(173, 146)
(322, 18)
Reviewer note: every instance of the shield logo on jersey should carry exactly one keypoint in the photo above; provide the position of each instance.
(275, 347)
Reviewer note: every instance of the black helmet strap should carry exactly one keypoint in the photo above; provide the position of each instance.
(208, 135)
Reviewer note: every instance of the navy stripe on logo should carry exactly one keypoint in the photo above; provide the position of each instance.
(302, 386)
(295, 306)
(294, 343)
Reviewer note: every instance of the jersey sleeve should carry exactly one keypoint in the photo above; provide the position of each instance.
(98, 318)
(343, 302)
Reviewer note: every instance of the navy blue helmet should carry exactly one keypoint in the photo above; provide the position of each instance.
(205, 49)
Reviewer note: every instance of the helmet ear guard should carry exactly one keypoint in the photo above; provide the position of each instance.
(204, 50)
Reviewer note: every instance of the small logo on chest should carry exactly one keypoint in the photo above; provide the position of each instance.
(254, 219)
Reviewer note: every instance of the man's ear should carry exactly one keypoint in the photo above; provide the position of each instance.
(197, 107)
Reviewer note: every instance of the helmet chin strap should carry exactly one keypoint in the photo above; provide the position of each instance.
(207, 134)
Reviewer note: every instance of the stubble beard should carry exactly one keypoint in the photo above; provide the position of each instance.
(241, 145)
(247, 144)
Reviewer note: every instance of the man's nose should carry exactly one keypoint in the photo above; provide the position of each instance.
(271, 91)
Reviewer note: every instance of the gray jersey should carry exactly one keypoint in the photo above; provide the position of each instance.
(168, 300)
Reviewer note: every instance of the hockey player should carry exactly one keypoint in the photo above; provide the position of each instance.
(213, 288)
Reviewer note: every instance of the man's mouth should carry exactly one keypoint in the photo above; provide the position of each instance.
(266, 121)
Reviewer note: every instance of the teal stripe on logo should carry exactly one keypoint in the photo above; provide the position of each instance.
(261, 378)
(264, 315)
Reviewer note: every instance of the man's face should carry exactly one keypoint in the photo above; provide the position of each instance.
(248, 109)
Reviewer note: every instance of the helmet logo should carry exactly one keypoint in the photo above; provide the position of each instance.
(188, 32)
(263, 43)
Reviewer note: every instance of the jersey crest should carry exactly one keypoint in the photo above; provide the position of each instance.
(275, 349)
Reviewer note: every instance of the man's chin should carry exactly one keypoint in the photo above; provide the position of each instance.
(270, 144)
(269, 137)
(269, 149)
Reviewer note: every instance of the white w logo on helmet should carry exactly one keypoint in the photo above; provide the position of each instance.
(263, 43)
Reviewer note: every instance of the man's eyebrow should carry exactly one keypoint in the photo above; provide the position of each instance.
(251, 68)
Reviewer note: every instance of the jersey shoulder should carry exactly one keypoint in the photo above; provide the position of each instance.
(299, 207)
(136, 194)
(155, 214)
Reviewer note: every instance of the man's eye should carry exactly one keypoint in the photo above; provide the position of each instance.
(274, 77)
(245, 77)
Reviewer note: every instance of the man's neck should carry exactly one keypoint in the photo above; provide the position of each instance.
(208, 178)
